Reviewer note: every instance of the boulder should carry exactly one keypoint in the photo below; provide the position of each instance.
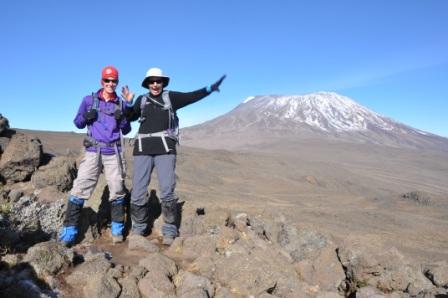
(4, 124)
(324, 270)
(300, 243)
(15, 195)
(371, 264)
(129, 288)
(202, 220)
(369, 292)
(137, 242)
(4, 141)
(224, 293)
(29, 214)
(21, 158)
(60, 173)
(257, 271)
(194, 293)
(190, 248)
(82, 273)
(101, 285)
(49, 258)
(138, 272)
(159, 263)
(438, 273)
(156, 286)
(49, 194)
(157, 282)
(188, 284)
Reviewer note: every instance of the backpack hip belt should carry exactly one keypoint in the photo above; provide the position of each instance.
(90, 142)
(161, 134)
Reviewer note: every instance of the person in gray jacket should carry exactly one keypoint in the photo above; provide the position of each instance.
(155, 147)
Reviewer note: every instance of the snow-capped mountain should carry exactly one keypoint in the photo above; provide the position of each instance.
(321, 114)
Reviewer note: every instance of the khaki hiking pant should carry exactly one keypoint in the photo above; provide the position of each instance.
(89, 171)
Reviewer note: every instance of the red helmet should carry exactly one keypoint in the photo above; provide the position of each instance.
(109, 72)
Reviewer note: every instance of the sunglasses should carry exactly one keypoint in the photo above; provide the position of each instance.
(155, 81)
(110, 81)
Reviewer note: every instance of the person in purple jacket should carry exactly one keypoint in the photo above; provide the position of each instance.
(103, 114)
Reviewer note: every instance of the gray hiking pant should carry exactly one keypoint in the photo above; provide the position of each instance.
(165, 165)
(89, 171)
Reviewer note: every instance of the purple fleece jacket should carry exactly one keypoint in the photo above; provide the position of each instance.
(105, 128)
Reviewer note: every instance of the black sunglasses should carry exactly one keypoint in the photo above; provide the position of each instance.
(155, 81)
(110, 81)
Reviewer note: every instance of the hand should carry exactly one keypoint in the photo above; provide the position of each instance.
(215, 86)
(126, 94)
(90, 115)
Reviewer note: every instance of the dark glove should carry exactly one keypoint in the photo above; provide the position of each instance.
(90, 115)
(118, 115)
(215, 86)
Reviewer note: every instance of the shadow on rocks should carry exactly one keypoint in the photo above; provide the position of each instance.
(88, 226)
(92, 223)
(46, 158)
(179, 209)
(21, 281)
(13, 241)
(155, 209)
(104, 210)
(8, 133)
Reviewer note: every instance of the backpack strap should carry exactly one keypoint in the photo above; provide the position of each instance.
(173, 120)
(119, 105)
(142, 107)
(166, 100)
(166, 103)
(95, 102)
(95, 106)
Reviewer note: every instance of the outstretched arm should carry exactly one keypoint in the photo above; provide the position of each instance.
(181, 99)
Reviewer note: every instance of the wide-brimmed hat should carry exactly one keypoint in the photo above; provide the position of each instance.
(155, 73)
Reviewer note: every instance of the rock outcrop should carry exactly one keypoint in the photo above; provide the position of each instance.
(20, 159)
(4, 124)
(59, 173)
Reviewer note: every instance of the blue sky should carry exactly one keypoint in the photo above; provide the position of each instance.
(390, 56)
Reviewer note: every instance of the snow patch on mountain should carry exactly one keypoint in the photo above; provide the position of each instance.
(248, 99)
(327, 111)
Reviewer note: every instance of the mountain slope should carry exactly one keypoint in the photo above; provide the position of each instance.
(321, 115)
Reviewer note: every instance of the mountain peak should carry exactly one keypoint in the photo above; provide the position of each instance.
(315, 115)
(327, 111)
